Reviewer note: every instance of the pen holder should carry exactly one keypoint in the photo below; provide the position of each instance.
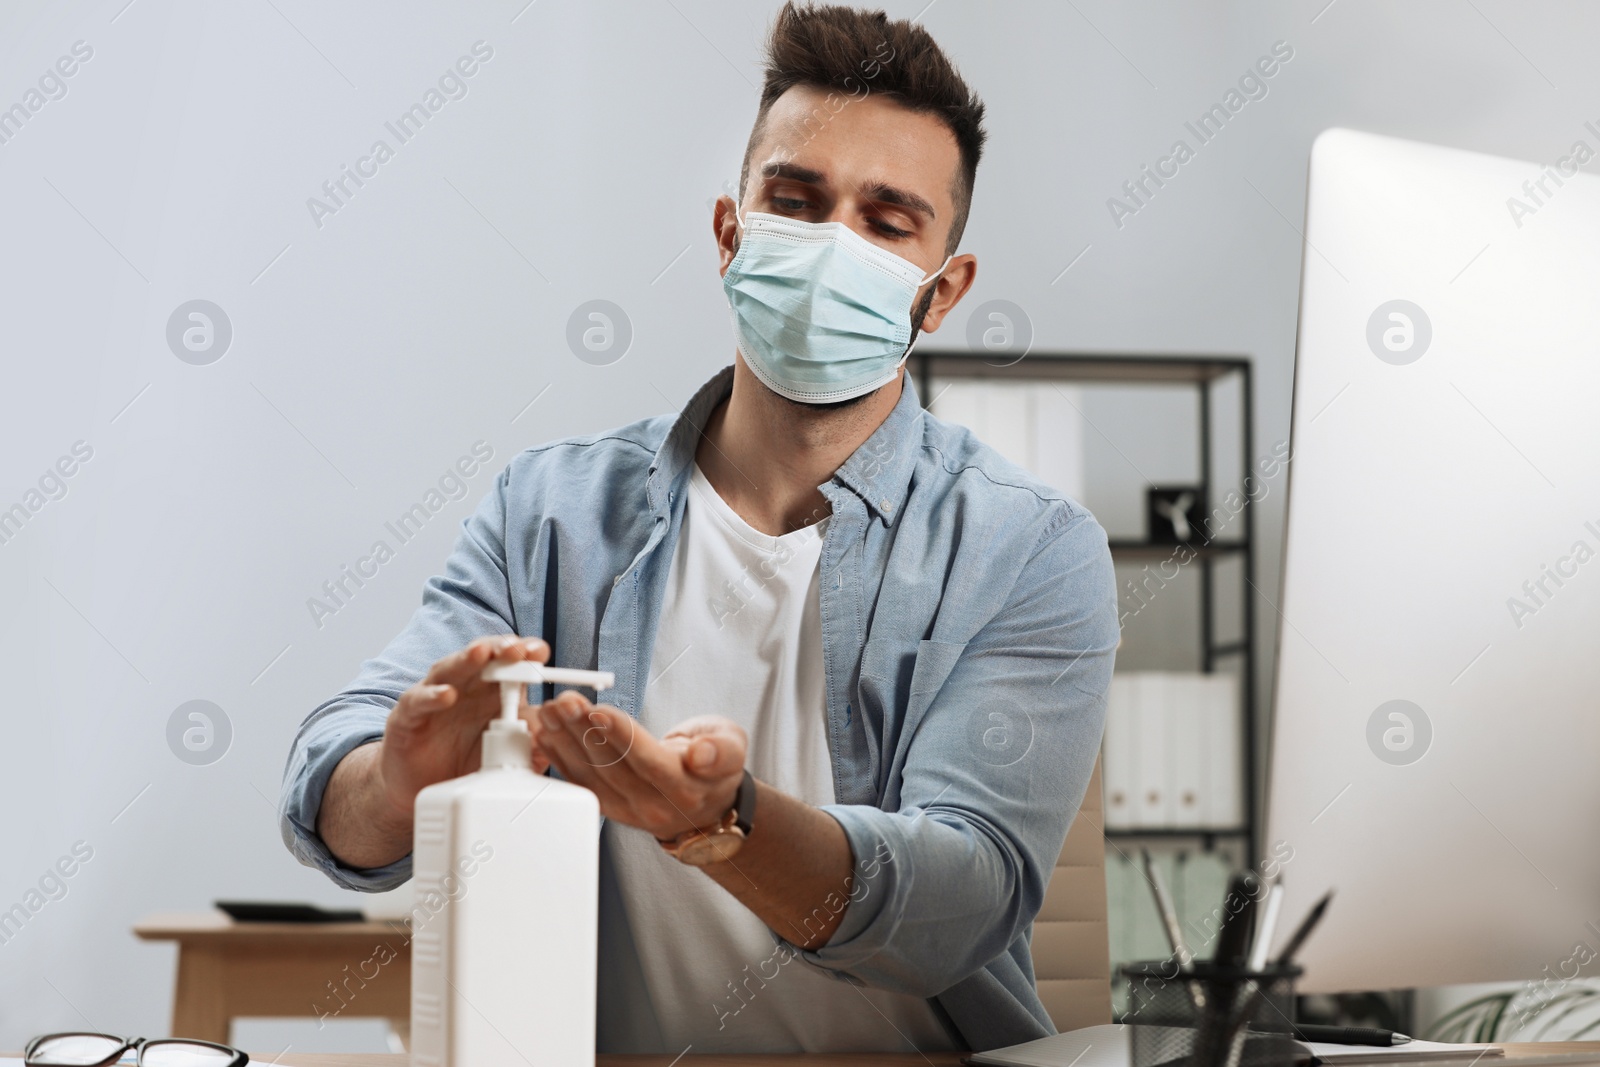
(1210, 1015)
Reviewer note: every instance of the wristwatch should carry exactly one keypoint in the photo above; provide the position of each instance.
(703, 846)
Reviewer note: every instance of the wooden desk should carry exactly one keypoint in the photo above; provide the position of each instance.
(228, 970)
(1526, 1053)
(935, 1059)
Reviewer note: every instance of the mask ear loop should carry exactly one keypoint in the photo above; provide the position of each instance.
(938, 272)
(918, 337)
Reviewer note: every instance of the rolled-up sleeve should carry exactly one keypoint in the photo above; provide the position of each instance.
(1010, 723)
(470, 600)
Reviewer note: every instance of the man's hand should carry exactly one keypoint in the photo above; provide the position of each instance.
(434, 733)
(684, 780)
(795, 870)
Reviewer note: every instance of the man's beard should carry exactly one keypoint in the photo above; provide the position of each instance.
(917, 315)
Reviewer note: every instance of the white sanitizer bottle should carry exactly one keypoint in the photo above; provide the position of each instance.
(506, 865)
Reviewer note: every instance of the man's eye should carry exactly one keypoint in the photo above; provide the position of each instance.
(789, 203)
(887, 230)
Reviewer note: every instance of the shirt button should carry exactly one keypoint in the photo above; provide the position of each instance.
(616, 581)
(885, 504)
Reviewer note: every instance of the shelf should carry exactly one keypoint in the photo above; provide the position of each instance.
(1211, 379)
(1132, 368)
(1159, 550)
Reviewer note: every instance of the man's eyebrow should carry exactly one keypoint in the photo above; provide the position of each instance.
(882, 192)
(888, 194)
(792, 172)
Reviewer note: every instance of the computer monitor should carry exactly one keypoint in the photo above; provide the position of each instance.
(1436, 736)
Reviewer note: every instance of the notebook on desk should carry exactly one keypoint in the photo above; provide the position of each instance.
(1110, 1046)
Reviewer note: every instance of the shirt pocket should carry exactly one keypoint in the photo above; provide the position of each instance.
(886, 666)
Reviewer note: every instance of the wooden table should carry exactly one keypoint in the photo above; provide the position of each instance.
(228, 970)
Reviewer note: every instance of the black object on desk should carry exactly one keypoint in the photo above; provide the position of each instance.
(1233, 941)
(1303, 931)
(247, 911)
(1240, 1020)
(1348, 1035)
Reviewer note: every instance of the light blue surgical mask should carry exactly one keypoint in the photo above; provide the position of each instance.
(821, 313)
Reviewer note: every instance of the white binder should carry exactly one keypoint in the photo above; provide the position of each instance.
(1224, 758)
(1119, 757)
(1153, 805)
(1173, 751)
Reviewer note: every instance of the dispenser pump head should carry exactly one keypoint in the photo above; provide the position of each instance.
(507, 742)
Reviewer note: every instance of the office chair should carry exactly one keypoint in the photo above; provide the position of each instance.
(1071, 947)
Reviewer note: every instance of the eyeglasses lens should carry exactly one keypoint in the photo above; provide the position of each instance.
(183, 1054)
(74, 1050)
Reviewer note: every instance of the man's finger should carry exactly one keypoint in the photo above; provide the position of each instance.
(653, 761)
(686, 771)
(705, 724)
(713, 755)
(425, 697)
(709, 745)
(608, 742)
(566, 753)
(422, 700)
(459, 664)
(601, 740)
(466, 666)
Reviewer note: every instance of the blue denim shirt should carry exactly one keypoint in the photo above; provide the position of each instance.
(969, 624)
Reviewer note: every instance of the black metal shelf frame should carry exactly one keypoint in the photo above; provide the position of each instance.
(1203, 373)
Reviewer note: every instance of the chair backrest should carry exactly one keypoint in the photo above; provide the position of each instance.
(1071, 947)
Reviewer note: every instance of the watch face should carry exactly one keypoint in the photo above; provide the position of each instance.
(702, 850)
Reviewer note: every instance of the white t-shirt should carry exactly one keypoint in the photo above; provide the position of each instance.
(740, 636)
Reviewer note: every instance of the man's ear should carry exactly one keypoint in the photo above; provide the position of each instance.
(949, 289)
(725, 228)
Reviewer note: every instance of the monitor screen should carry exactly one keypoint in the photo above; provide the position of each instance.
(1436, 736)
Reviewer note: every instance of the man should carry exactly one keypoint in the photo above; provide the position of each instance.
(819, 602)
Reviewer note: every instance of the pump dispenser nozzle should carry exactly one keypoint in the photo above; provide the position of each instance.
(507, 743)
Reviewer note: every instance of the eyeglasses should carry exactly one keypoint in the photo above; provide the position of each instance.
(98, 1050)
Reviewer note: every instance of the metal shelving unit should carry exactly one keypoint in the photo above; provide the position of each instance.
(1204, 374)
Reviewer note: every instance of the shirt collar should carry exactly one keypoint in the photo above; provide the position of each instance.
(879, 471)
(676, 454)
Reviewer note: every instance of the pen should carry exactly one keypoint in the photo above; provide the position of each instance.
(1169, 922)
(1254, 993)
(1233, 942)
(1221, 1036)
(1306, 926)
(1348, 1035)
(1266, 927)
(1169, 914)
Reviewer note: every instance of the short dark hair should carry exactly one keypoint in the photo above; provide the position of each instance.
(857, 52)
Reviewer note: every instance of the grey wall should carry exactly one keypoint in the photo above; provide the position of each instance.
(371, 351)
